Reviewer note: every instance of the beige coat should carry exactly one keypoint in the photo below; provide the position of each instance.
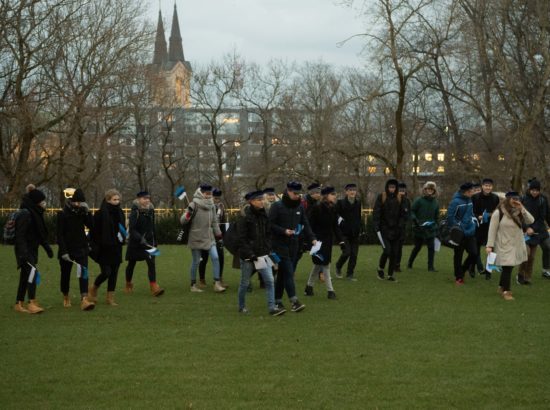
(205, 226)
(507, 239)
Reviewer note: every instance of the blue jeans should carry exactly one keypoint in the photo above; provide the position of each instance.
(247, 268)
(196, 253)
(285, 280)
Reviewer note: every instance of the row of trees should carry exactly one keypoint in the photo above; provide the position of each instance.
(465, 78)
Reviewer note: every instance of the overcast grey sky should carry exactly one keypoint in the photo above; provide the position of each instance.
(293, 30)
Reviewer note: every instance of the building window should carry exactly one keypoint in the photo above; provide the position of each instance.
(441, 169)
(416, 170)
(475, 157)
(387, 171)
(372, 170)
(428, 156)
(501, 157)
(441, 157)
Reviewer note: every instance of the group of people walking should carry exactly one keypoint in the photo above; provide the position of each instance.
(271, 235)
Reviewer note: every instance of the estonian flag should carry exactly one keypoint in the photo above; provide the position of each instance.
(180, 193)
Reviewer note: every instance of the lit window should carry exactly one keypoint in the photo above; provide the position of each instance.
(475, 157)
(441, 157)
(370, 158)
(501, 157)
(440, 169)
(387, 171)
(428, 156)
(237, 144)
(414, 157)
(416, 170)
(372, 170)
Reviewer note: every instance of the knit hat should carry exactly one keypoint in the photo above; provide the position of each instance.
(534, 184)
(327, 190)
(36, 196)
(78, 196)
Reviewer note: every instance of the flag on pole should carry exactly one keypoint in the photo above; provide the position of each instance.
(81, 271)
(153, 251)
(180, 193)
(34, 273)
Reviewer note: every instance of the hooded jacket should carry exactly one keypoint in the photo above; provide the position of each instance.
(324, 223)
(389, 216)
(351, 215)
(460, 213)
(71, 234)
(538, 208)
(254, 233)
(107, 247)
(205, 227)
(425, 209)
(30, 232)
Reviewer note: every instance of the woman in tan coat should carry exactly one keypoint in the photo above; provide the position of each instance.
(506, 238)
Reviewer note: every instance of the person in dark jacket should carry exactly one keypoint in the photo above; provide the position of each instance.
(308, 201)
(222, 219)
(287, 218)
(348, 210)
(388, 220)
(537, 205)
(142, 238)
(460, 213)
(72, 243)
(254, 235)
(484, 203)
(108, 236)
(406, 204)
(324, 224)
(30, 233)
(425, 218)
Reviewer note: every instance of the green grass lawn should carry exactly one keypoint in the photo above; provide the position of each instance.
(417, 343)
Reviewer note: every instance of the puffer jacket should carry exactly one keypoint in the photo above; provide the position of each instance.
(461, 213)
(205, 227)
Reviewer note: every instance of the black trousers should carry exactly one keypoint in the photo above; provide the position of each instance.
(66, 268)
(468, 244)
(109, 273)
(506, 278)
(351, 252)
(390, 252)
(151, 269)
(24, 286)
(204, 261)
(418, 242)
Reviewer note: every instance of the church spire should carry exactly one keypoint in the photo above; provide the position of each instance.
(175, 52)
(161, 55)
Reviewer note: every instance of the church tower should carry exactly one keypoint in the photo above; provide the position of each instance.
(171, 72)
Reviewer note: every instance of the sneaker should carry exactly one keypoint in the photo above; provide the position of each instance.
(277, 311)
(507, 295)
(500, 290)
(244, 311)
(351, 278)
(546, 274)
(331, 294)
(392, 279)
(297, 306)
(520, 280)
(459, 282)
(472, 273)
(195, 288)
(380, 273)
(308, 291)
(279, 305)
(218, 288)
(339, 274)
(527, 282)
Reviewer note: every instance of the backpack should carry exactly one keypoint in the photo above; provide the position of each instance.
(10, 225)
(450, 236)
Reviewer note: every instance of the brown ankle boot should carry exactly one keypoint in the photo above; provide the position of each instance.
(92, 293)
(111, 299)
(202, 283)
(34, 307)
(67, 301)
(19, 307)
(129, 288)
(86, 304)
(156, 290)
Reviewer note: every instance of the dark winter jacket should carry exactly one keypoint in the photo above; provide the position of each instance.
(222, 217)
(141, 232)
(484, 204)
(254, 233)
(425, 209)
(406, 205)
(351, 217)
(389, 215)
(308, 202)
(30, 233)
(324, 224)
(288, 214)
(71, 234)
(106, 244)
(538, 208)
(460, 213)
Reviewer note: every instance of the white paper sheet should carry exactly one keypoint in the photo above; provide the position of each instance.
(261, 263)
(437, 245)
(315, 248)
(32, 273)
(491, 258)
(379, 234)
(340, 220)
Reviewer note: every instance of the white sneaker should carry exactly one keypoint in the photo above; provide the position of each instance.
(218, 287)
(195, 288)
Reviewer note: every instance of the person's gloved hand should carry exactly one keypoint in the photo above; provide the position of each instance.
(66, 257)
(342, 246)
(253, 258)
(48, 250)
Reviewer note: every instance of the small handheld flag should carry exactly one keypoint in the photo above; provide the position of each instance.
(180, 193)
(153, 251)
(34, 273)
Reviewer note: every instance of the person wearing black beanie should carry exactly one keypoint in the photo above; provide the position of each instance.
(30, 233)
(72, 243)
